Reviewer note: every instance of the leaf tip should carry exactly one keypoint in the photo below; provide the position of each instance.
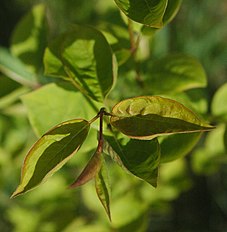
(75, 184)
(15, 193)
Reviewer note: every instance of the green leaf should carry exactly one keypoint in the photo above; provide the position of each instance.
(176, 73)
(13, 68)
(51, 152)
(118, 38)
(139, 157)
(85, 58)
(219, 106)
(177, 146)
(102, 187)
(150, 12)
(52, 59)
(194, 99)
(171, 10)
(55, 103)
(29, 38)
(150, 116)
(90, 171)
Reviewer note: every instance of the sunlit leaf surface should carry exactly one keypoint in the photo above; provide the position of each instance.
(150, 116)
(150, 12)
(51, 152)
(83, 56)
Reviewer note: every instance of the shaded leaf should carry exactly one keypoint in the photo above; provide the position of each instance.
(171, 10)
(150, 116)
(150, 12)
(13, 68)
(176, 73)
(29, 38)
(51, 152)
(176, 146)
(219, 106)
(102, 187)
(53, 65)
(118, 38)
(90, 171)
(139, 157)
(55, 103)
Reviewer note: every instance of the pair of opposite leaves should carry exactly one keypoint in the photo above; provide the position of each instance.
(142, 118)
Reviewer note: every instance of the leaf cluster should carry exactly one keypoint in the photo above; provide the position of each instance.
(81, 77)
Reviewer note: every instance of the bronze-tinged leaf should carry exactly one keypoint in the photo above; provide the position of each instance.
(90, 171)
(147, 117)
(51, 152)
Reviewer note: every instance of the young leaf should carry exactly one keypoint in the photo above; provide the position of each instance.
(102, 187)
(139, 157)
(51, 152)
(176, 73)
(90, 171)
(151, 13)
(150, 116)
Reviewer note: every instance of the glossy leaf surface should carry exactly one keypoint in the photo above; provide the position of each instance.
(83, 55)
(51, 152)
(90, 171)
(141, 158)
(102, 187)
(149, 12)
(176, 73)
(150, 116)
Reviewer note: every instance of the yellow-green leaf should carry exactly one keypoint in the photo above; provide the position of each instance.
(102, 187)
(51, 152)
(150, 116)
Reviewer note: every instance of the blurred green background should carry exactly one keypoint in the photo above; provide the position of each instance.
(192, 195)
